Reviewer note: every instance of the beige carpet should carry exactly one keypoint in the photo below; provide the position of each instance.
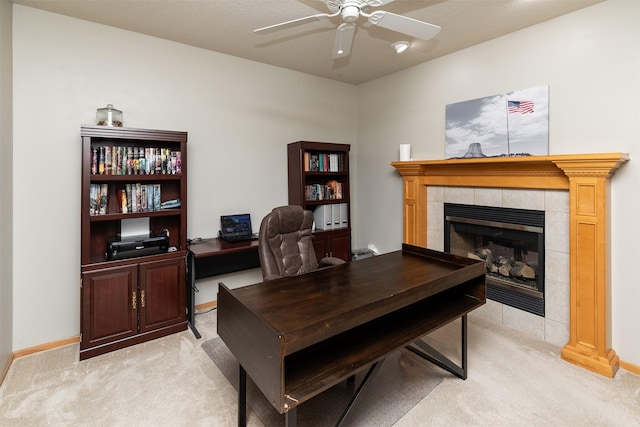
(402, 381)
(514, 380)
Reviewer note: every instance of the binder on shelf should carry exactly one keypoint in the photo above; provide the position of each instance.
(335, 215)
(322, 217)
(331, 217)
(344, 215)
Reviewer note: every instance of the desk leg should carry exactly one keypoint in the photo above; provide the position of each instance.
(434, 356)
(291, 417)
(191, 294)
(371, 373)
(242, 397)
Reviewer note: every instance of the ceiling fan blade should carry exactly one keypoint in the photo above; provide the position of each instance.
(404, 24)
(292, 23)
(377, 3)
(344, 39)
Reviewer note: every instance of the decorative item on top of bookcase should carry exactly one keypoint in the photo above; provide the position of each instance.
(318, 175)
(132, 180)
(109, 116)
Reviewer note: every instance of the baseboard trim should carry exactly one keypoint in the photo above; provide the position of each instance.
(635, 369)
(206, 305)
(5, 370)
(44, 347)
(32, 350)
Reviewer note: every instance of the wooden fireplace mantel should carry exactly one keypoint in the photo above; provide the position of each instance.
(586, 177)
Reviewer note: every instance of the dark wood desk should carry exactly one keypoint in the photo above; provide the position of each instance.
(296, 337)
(212, 257)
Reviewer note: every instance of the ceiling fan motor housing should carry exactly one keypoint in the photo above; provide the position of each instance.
(350, 12)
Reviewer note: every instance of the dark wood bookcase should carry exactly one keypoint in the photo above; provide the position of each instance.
(311, 167)
(131, 300)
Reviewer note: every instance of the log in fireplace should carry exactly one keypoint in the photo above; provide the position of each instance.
(510, 242)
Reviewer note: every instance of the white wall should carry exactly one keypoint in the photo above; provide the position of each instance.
(6, 127)
(239, 114)
(590, 59)
(65, 68)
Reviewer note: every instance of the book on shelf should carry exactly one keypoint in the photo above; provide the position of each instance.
(94, 160)
(93, 199)
(104, 194)
(123, 201)
(101, 160)
(156, 197)
(150, 197)
(134, 198)
(171, 204)
(128, 191)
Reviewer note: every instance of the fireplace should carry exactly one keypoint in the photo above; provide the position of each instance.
(587, 178)
(510, 242)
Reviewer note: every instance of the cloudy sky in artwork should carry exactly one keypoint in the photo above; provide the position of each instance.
(486, 121)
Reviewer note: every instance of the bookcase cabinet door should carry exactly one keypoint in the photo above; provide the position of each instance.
(162, 294)
(340, 244)
(109, 305)
(332, 243)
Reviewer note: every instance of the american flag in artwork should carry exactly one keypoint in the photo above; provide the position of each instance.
(522, 107)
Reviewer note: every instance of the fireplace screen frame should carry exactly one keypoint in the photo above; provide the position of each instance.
(514, 222)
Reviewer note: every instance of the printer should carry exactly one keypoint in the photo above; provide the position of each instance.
(129, 248)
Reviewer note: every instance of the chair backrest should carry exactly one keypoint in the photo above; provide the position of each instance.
(285, 243)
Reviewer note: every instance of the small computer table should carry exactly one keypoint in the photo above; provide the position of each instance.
(212, 257)
(298, 336)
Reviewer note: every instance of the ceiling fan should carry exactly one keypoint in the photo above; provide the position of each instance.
(350, 11)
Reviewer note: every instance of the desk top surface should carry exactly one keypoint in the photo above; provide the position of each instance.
(214, 246)
(305, 307)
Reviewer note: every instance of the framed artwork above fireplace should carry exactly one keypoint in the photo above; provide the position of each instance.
(505, 125)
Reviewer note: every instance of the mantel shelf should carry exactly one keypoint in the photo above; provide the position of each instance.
(545, 172)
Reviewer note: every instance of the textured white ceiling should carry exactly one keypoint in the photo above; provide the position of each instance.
(227, 26)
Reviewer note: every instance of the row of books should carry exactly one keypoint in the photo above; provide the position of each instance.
(140, 198)
(116, 160)
(132, 198)
(332, 190)
(323, 162)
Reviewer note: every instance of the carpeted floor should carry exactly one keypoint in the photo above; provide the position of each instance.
(514, 380)
(402, 381)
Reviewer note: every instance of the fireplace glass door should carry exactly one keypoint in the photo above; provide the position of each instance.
(511, 244)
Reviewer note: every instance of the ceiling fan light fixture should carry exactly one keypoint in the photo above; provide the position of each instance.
(401, 46)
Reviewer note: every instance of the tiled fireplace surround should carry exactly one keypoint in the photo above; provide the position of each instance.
(573, 190)
(554, 327)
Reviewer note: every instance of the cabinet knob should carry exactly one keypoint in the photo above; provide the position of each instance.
(134, 300)
(142, 299)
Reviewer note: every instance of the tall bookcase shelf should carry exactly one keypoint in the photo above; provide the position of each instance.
(318, 177)
(137, 175)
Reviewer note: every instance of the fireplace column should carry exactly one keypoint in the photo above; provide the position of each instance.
(586, 176)
(590, 279)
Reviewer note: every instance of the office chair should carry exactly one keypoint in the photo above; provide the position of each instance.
(285, 244)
